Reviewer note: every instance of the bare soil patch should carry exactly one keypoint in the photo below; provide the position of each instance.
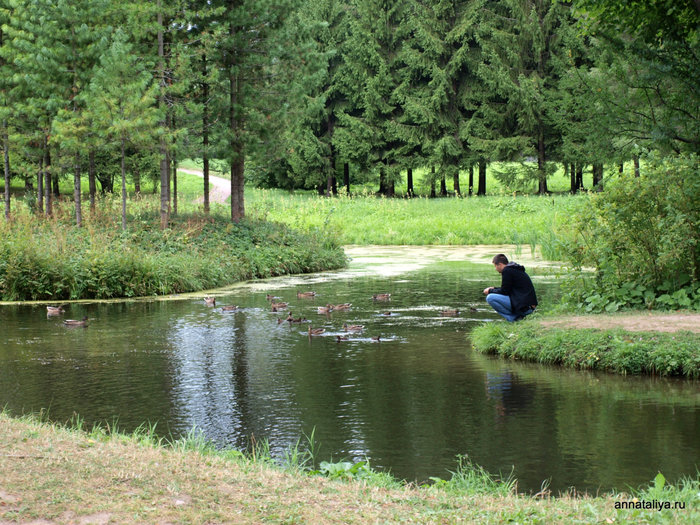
(634, 322)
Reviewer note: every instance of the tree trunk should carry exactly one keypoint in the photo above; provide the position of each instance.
(636, 165)
(621, 169)
(598, 176)
(54, 176)
(433, 194)
(123, 166)
(40, 187)
(482, 178)
(542, 174)
(205, 134)
(346, 176)
(579, 176)
(471, 180)
(572, 176)
(164, 164)
(6, 157)
(137, 179)
(47, 180)
(409, 182)
(174, 184)
(443, 185)
(77, 192)
(455, 178)
(91, 180)
(235, 128)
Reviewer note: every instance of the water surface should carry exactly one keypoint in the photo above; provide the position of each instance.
(410, 403)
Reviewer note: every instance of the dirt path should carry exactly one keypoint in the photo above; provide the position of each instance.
(634, 322)
(220, 188)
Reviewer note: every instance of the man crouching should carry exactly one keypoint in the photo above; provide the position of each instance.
(516, 297)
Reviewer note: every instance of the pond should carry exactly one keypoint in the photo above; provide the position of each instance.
(410, 403)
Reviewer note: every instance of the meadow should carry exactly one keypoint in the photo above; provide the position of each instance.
(500, 217)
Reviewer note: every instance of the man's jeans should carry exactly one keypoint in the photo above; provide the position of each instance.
(501, 303)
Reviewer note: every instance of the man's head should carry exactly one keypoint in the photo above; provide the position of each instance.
(499, 262)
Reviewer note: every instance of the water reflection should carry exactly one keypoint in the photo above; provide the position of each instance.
(410, 403)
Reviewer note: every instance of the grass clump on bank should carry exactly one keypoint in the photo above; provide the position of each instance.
(612, 350)
(67, 476)
(52, 259)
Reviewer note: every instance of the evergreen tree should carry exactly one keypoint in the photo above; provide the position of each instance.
(519, 39)
(372, 61)
(440, 58)
(250, 30)
(313, 95)
(5, 104)
(121, 101)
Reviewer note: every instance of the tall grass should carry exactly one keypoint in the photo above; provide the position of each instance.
(365, 219)
(49, 258)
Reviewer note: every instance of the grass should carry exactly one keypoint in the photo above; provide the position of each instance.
(363, 218)
(51, 259)
(612, 350)
(68, 475)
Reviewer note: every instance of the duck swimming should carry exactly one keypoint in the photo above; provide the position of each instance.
(74, 322)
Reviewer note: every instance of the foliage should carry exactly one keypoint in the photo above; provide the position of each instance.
(52, 260)
(642, 238)
(608, 350)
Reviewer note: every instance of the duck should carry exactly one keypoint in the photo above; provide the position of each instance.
(301, 295)
(386, 313)
(75, 322)
(279, 306)
(229, 308)
(339, 338)
(381, 297)
(449, 312)
(472, 309)
(297, 320)
(315, 331)
(270, 297)
(210, 301)
(353, 327)
(325, 309)
(342, 306)
(54, 310)
(376, 338)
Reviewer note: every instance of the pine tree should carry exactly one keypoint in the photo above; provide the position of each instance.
(440, 58)
(121, 102)
(5, 104)
(518, 40)
(372, 73)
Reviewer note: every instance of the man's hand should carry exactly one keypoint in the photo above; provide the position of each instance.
(488, 290)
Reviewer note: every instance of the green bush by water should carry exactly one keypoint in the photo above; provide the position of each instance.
(618, 351)
(52, 259)
(642, 237)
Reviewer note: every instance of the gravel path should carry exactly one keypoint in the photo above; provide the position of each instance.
(219, 188)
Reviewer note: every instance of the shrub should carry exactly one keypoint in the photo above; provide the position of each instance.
(641, 235)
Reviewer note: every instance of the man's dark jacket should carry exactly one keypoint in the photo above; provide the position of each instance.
(516, 284)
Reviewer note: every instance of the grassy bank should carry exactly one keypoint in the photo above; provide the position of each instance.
(610, 350)
(70, 476)
(52, 259)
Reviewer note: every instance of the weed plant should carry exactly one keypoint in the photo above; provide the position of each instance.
(49, 258)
